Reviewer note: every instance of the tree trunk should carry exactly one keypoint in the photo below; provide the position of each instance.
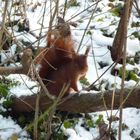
(117, 47)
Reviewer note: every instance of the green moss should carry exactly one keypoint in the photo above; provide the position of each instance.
(100, 119)
(136, 34)
(68, 124)
(124, 126)
(135, 24)
(90, 123)
(58, 136)
(137, 58)
(73, 3)
(84, 81)
(100, 19)
(130, 74)
(126, 73)
(89, 32)
(117, 10)
(5, 85)
(130, 61)
(133, 76)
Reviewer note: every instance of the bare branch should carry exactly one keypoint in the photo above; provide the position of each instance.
(26, 61)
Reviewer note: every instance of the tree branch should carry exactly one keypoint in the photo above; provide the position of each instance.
(78, 103)
(26, 61)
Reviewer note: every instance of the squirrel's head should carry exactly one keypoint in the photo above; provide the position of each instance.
(63, 27)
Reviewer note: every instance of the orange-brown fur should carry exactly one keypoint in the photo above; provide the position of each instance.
(68, 73)
(59, 52)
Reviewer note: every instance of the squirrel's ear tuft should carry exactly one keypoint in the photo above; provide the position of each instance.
(87, 50)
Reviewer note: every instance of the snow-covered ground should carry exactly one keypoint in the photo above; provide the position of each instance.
(9, 129)
(131, 118)
(103, 21)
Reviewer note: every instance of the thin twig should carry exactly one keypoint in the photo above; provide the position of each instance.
(87, 26)
(2, 26)
(112, 104)
(127, 10)
(54, 14)
(36, 118)
(65, 8)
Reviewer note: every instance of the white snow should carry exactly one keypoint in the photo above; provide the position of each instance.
(8, 127)
(101, 20)
(26, 86)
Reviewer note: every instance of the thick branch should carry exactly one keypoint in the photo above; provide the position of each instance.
(12, 70)
(83, 103)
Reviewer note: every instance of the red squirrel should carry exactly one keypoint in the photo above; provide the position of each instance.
(68, 73)
(59, 51)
